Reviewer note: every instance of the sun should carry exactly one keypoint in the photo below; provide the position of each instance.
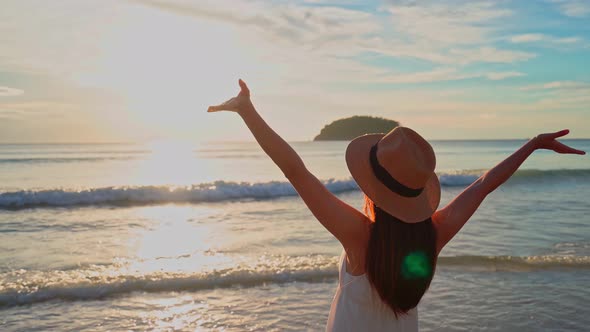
(165, 69)
(169, 162)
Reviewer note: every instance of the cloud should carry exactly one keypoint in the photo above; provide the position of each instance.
(538, 37)
(10, 92)
(489, 54)
(557, 85)
(502, 75)
(488, 116)
(10, 115)
(560, 95)
(566, 85)
(32, 108)
(336, 2)
(309, 27)
(449, 23)
(320, 59)
(569, 40)
(300, 42)
(438, 33)
(58, 39)
(449, 56)
(573, 8)
(435, 75)
(526, 38)
(441, 74)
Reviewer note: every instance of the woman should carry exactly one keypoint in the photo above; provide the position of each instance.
(390, 251)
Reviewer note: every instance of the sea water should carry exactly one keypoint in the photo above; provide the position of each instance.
(210, 236)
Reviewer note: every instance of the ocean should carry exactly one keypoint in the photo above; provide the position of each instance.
(211, 237)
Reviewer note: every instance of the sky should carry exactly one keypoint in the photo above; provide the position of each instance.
(142, 70)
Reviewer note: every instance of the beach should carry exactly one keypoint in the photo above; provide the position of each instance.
(212, 237)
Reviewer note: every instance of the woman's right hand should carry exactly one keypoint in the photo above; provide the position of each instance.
(549, 142)
(238, 104)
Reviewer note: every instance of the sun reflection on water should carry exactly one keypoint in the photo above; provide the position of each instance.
(177, 242)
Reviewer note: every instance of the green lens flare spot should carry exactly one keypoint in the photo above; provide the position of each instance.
(416, 265)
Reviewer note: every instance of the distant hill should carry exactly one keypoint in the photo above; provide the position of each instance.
(349, 128)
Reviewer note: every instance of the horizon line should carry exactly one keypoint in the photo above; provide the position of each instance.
(254, 141)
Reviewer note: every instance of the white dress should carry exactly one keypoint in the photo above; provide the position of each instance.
(357, 307)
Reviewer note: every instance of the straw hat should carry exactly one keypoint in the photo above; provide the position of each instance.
(396, 171)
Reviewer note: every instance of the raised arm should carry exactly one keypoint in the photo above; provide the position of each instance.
(343, 221)
(450, 219)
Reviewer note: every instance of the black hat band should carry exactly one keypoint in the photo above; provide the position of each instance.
(384, 177)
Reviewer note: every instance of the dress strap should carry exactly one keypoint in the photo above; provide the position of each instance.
(342, 267)
(344, 277)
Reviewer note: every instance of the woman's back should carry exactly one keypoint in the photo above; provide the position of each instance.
(357, 307)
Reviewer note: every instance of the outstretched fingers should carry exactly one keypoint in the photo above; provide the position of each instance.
(559, 147)
(226, 106)
(560, 133)
(211, 109)
(562, 148)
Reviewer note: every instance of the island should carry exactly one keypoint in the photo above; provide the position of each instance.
(349, 128)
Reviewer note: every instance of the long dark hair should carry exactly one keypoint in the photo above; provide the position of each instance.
(401, 258)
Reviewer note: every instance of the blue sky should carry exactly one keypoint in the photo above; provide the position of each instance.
(147, 69)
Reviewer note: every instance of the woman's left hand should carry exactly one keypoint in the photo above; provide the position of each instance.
(237, 104)
(549, 142)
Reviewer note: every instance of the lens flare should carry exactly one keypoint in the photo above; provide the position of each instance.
(416, 265)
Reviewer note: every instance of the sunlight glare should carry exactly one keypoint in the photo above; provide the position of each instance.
(156, 61)
(177, 243)
(171, 162)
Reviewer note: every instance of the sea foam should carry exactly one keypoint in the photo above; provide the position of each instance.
(20, 287)
(227, 191)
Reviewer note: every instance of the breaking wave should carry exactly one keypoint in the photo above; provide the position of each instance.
(21, 287)
(226, 191)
